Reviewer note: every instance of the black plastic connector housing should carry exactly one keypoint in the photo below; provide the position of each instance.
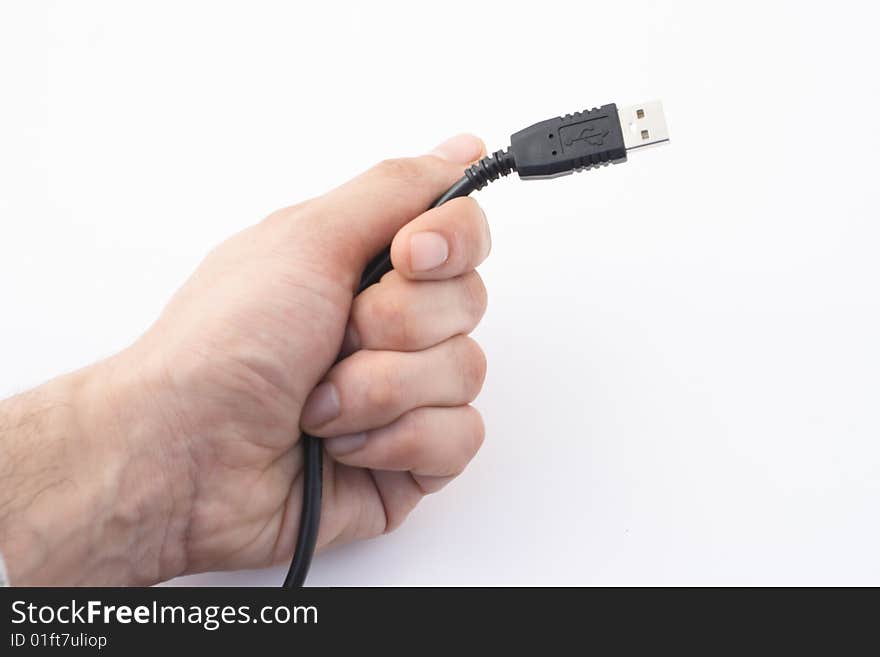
(569, 143)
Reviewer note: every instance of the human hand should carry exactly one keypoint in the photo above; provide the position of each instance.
(191, 452)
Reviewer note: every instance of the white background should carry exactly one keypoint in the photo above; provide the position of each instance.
(684, 370)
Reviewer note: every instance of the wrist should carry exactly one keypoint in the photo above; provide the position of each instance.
(88, 495)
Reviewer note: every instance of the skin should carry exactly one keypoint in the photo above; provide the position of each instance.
(181, 454)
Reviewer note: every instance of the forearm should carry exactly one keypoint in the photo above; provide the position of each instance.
(84, 496)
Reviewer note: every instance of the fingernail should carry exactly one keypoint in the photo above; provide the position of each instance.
(352, 341)
(345, 444)
(427, 251)
(321, 406)
(460, 149)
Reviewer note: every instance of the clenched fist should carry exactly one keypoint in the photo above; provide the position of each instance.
(182, 453)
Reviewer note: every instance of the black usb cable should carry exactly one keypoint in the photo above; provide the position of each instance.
(551, 148)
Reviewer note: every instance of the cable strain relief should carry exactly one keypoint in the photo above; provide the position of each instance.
(491, 167)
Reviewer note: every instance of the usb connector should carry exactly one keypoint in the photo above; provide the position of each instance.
(573, 142)
(643, 125)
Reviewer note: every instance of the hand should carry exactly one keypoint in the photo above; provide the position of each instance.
(187, 452)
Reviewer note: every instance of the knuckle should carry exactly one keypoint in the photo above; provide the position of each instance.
(470, 440)
(385, 309)
(477, 297)
(411, 444)
(475, 213)
(387, 315)
(383, 390)
(380, 394)
(415, 425)
(476, 227)
(465, 208)
(402, 169)
(286, 220)
(476, 433)
(473, 366)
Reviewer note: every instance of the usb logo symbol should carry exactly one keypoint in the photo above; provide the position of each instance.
(589, 134)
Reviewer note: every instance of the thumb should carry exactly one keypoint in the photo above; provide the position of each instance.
(356, 220)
